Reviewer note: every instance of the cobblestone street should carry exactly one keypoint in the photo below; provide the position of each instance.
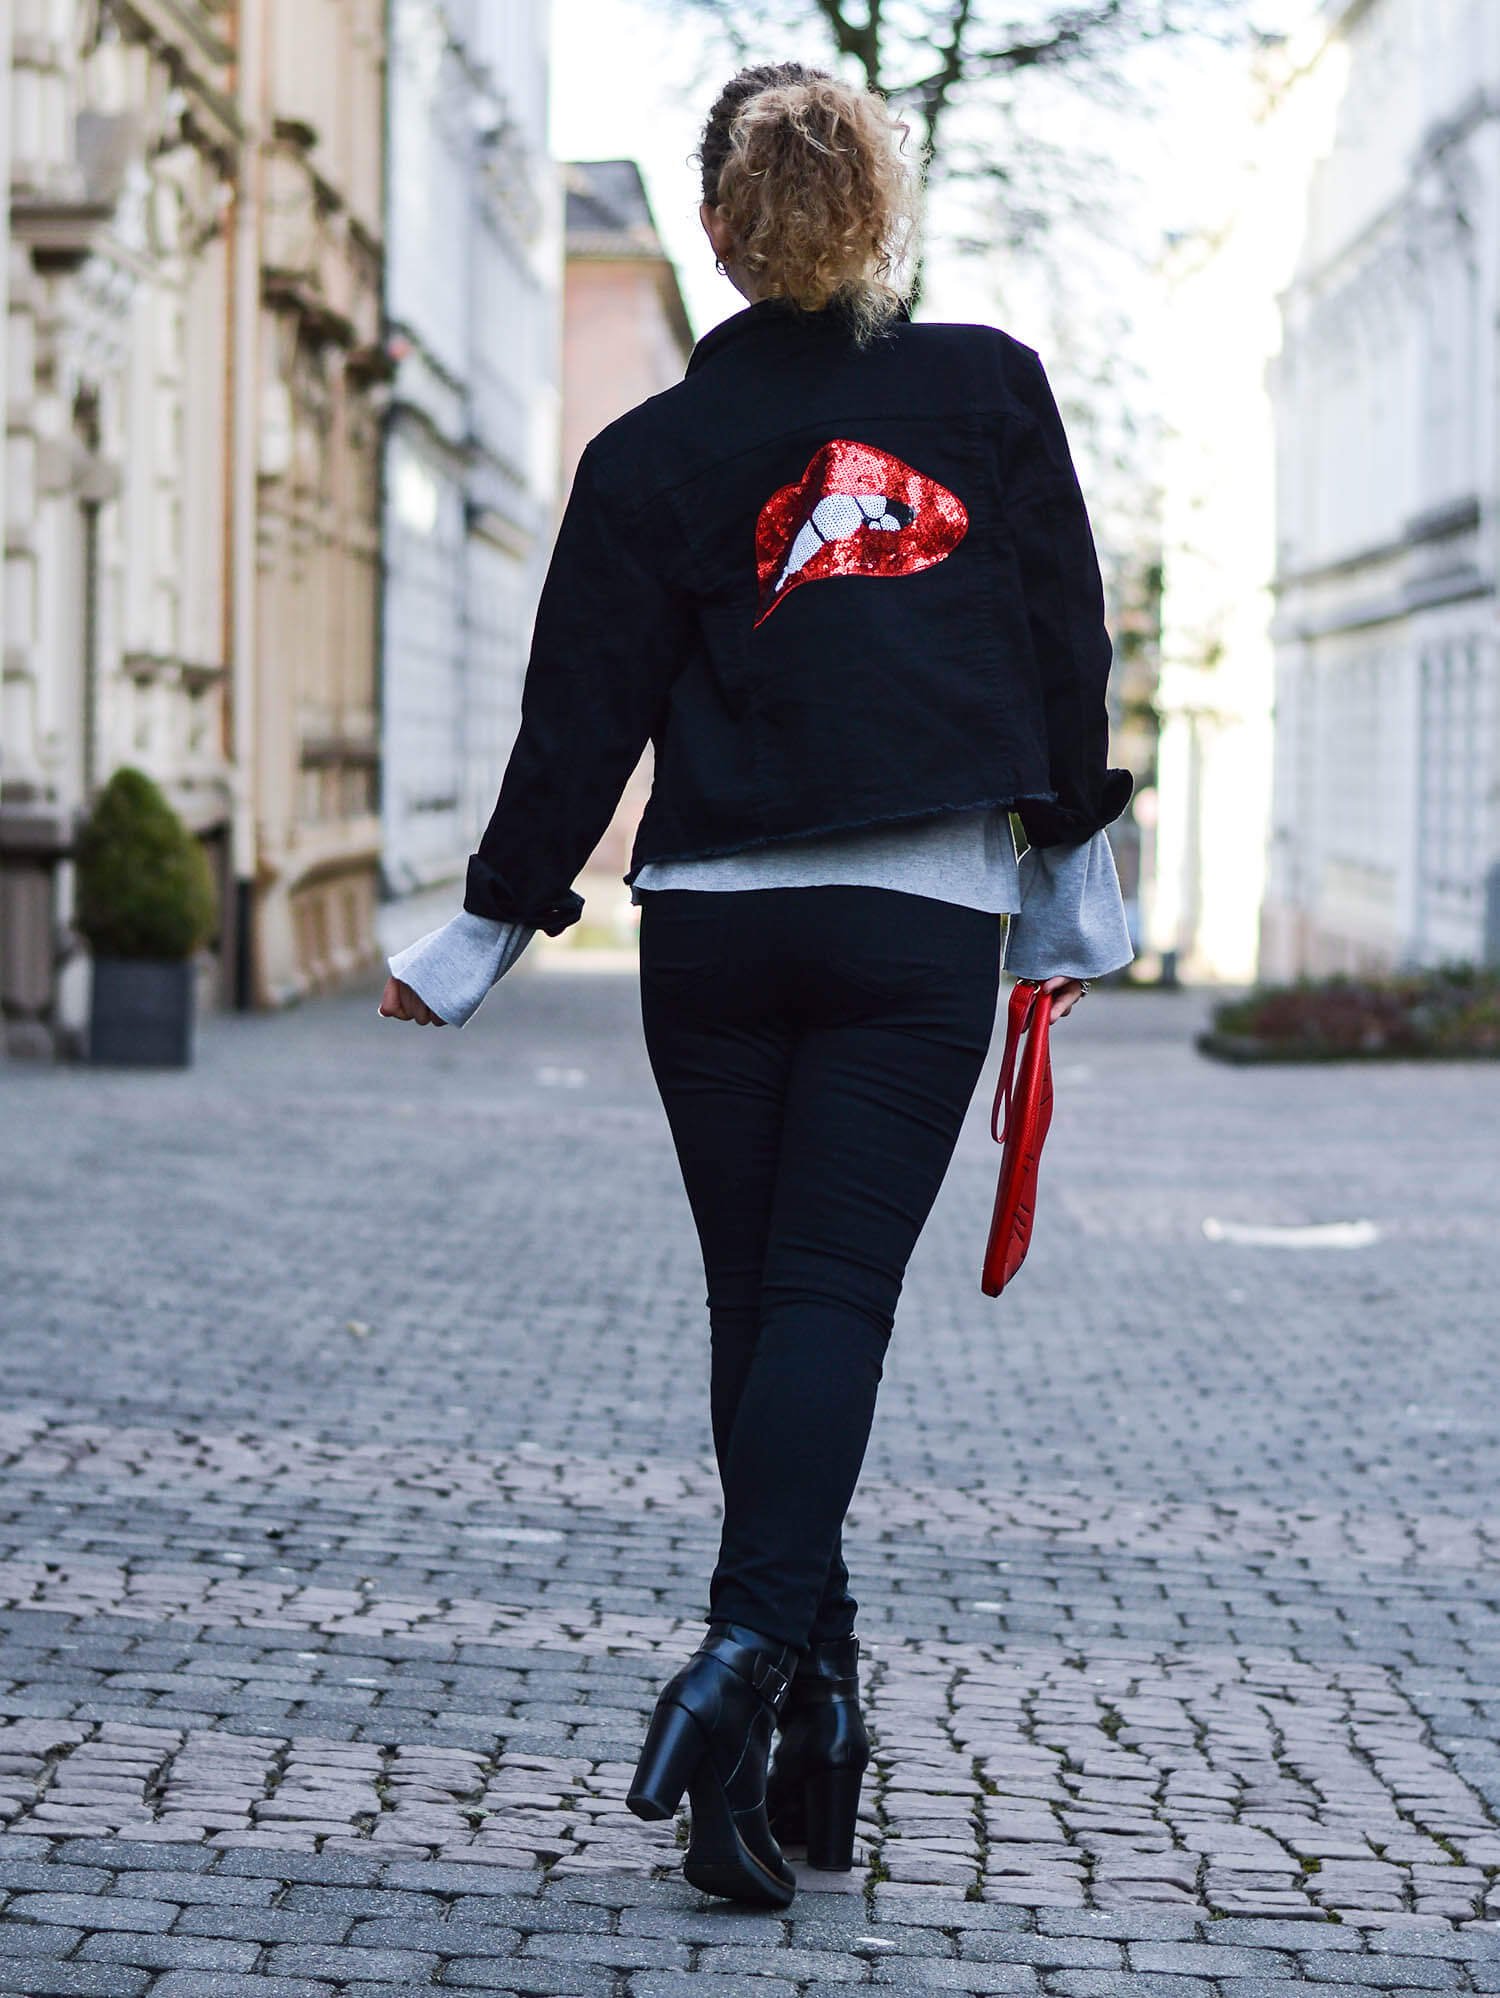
(356, 1496)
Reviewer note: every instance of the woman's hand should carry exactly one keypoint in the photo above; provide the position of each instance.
(399, 1002)
(1065, 994)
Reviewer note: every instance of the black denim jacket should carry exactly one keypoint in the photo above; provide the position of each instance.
(833, 586)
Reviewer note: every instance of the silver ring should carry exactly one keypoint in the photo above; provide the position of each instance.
(1083, 987)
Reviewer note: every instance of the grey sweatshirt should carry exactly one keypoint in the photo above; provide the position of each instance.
(1067, 919)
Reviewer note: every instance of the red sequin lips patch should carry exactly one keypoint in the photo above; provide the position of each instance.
(856, 511)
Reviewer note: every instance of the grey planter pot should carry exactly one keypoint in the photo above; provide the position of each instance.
(141, 1015)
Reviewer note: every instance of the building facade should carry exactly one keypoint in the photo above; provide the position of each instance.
(1222, 334)
(123, 148)
(195, 389)
(1385, 834)
(308, 384)
(472, 302)
(626, 336)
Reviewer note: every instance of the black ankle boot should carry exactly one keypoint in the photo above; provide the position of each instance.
(812, 1795)
(710, 1735)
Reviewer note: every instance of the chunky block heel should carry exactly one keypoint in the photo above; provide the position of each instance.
(831, 1800)
(674, 1747)
(711, 1736)
(812, 1798)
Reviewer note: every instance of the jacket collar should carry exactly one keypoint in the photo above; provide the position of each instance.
(767, 319)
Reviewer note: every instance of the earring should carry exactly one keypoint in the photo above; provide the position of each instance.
(721, 267)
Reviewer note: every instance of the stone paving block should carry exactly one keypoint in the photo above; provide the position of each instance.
(612, 1891)
(676, 1984)
(383, 1990)
(221, 1984)
(1429, 1973)
(1266, 1987)
(1046, 1952)
(330, 1961)
(469, 1973)
(264, 1925)
(15, 1846)
(135, 1855)
(365, 1903)
(36, 1939)
(170, 1952)
(334, 1869)
(92, 1911)
(941, 1974)
(1111, 1984)
(790, 1964)
(1203, 1960)
(1473, 1944)
(722, 1923)
(921, 1911)
(441, 1938)
(218, 1889)
(539, 1917)
(77, 1980)
(435, 1876)
(1139, 1924)
(607, 1952)
(51, 1877)
(1305, 1938)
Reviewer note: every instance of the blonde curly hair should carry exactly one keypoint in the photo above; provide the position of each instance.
(811, 176)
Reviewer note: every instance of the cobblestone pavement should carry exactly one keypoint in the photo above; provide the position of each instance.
(355, 1497)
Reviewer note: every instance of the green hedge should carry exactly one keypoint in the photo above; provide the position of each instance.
(1453, 1011)
(145, 888)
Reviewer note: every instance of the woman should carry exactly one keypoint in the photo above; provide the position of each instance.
(842, 578)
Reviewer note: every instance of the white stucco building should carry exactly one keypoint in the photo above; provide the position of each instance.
(473, 285)
(1263, 132)
(1385, 833)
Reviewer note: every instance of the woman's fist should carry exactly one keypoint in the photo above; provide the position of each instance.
(1064, 993)
(399, 1002)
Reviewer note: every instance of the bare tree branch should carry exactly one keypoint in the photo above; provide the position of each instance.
(944, 61)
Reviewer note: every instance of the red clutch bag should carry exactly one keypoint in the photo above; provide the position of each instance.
(1023, 1111)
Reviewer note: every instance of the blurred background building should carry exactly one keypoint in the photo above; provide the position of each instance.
(311, 369)
(473, 280)
(1214, 698)
(303, 332)
(1385, 842)
(124, 146)
(191, 469)
(1330, 757)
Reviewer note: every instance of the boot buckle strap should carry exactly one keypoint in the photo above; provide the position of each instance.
(768, 1678)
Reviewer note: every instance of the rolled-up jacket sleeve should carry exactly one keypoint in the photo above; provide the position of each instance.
(611, 634)
(1072, 919)
(1059, 570)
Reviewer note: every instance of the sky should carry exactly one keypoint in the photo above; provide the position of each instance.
(634, 79)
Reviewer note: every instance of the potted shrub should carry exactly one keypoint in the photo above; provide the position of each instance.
(145, 903)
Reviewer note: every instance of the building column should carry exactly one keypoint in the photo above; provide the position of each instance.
(243, 396)
(5, 31)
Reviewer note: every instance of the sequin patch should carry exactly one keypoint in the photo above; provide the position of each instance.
(856, 511)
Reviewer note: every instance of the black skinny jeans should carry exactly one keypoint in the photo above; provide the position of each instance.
(816, 1049)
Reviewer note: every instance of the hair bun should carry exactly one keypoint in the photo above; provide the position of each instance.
(812, 177)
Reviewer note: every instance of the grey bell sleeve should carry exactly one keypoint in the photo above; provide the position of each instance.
(451, 969)
(1072, 918)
